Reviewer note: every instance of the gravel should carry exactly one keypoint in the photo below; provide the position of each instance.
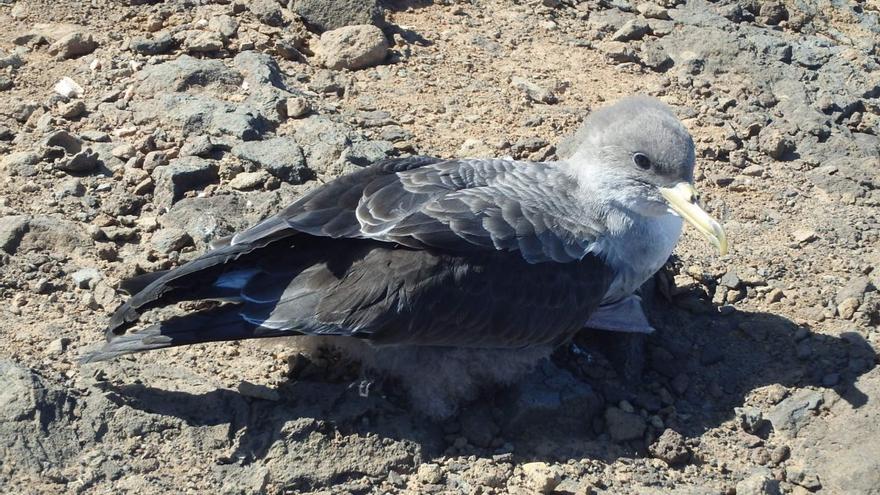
(189, 121)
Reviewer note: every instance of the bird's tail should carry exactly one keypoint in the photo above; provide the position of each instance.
(223, 323)
(207, 278)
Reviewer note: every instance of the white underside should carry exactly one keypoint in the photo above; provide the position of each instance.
(643, 250)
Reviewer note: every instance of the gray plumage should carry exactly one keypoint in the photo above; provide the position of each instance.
(484, 254)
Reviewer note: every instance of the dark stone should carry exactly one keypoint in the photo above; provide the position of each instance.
(325, 15)
(12, 229)
(182, 175)
(791, 414)
(183, 73)
(670, 448)
(551, 397)
(623, 426)
(266, 11)
(201, 114)
(82, 162)
(152, 46)
(279, 156)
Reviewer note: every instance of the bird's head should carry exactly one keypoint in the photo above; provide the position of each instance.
(643, 156)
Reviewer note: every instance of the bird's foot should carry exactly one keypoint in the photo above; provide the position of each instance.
(625, 315)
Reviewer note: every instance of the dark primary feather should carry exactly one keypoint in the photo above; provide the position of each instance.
(476, 253)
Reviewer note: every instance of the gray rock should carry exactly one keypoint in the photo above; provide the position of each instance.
(12, 229)
(773, 12)
(269, 92)
(324, 15)
(226, 25)
(297, 107)
(364, 153)
(60, 144)
(24, 110)
(352, 47)
(855, 288)
(86, 278)
(21, 163)
(155, 159)
(429, 473)
(323, 141)
(19, 392)
(654, 56)
(790, 415)
(671, 448)
(730, 280)
(183, 73)
(72, 110)
(95, 136)
(202, 114)
(205, 219)
(759, 482)
(204, 42)
(82, 162)
(12, 60)
(6, 83)
(753, 171)
(617, 51)
(73, 45)
(245, 181)
(751, 419)
(634, 29)
(70, 187)
(549, 392)
(259, 69)
(810, 53)
(290, 48)
(534, 92)
(57, 346)
(158, 45)
(623, 426)
(279, 156)
(804, 477)
(395, 133)
(197, 146)
(170, 239)
(327, 81)
(266, 11)
(56, 234)
(182, 175)
(540, 477)
(652, 11)
(30, 417)
(774, 142)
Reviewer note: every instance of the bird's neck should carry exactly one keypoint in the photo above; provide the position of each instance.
(635, 245)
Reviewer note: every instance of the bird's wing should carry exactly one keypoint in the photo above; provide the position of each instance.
(454, 205)
(366, 289)
(526, 210)
(310, 285)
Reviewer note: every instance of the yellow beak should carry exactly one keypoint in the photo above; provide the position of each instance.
(682, 198)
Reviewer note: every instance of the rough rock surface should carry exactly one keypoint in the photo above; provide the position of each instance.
(191, 120)
(324, 16)
(352, 47)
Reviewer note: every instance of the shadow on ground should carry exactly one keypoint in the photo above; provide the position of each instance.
(692, 373)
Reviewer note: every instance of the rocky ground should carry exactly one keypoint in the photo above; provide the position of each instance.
(134, 132)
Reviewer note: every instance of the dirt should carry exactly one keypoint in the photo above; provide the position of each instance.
(761, 378)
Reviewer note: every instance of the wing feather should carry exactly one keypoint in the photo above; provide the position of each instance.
(454, 205)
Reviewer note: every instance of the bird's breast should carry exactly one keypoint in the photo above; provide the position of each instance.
(638, 252)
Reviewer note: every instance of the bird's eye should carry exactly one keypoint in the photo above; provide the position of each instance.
(642, 161)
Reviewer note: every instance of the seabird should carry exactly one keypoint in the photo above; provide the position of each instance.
(460, 253)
